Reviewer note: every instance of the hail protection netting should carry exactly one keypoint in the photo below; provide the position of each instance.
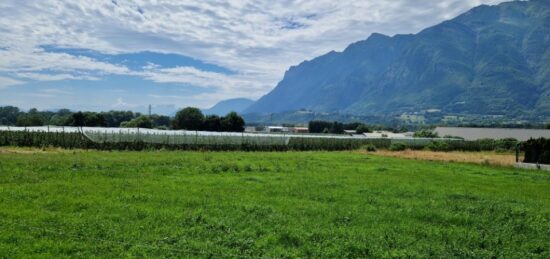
(181, 137)
(43, 129)
(75, 137)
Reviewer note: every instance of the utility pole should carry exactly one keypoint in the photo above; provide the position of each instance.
(149, 111)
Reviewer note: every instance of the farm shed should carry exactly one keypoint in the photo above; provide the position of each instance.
(300, 130)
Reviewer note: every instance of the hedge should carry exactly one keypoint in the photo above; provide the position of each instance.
(537, 151)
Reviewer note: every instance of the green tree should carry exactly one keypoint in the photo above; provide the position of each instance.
(60, 117)
(352, 126)
(232, 122)
(190, 118)
(160, 121)
(213, 123)
(362, 128)
(64, 112)
(425, 133)
(58, 120)
(115, 118)
(337, 128)
(318, 126)
(32, 118)
(139, 122)
(76, 119)
(92, 119)
(8, 115)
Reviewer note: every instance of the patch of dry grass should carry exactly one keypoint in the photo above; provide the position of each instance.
(488, 158)
(33, 150)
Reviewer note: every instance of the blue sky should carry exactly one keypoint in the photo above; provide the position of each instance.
(124, 55)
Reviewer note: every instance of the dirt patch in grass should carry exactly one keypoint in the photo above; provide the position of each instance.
(33, 150)
(488, 158)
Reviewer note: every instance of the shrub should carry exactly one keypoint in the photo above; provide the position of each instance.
(453, 137)
(439, 146)
(501, 150)
(506, 144)
(425, 133)
(139, 122)
(362, 129)
(370, 148)
(537, 151)
(398, 147)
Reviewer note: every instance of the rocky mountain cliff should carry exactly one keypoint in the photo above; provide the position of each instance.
(490, 60)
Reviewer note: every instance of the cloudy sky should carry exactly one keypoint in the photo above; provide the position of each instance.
(116, 54)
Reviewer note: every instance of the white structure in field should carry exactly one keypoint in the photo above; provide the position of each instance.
(388, 134)
(277, 129)
(492, 133)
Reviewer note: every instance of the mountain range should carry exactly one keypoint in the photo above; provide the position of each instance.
(231, 105)
(491, 60)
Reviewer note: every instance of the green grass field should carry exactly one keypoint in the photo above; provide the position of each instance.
(294, 204)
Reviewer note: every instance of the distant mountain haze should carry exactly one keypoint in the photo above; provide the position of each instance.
(490, 60)
(224, 107)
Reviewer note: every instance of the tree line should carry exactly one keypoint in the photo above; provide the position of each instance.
(189, 118)
(192, 118)
(335, 127)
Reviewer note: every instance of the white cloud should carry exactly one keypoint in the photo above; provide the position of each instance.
(158, 96)
(54, 91)
(120, 103)
(40, 95)
(26, 60)
(54, 77)
(239, 83)
(258, 39)
(6, 82)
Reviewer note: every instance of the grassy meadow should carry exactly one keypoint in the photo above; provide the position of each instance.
(266, 204)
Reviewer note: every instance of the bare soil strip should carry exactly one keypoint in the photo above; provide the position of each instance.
(487, 158)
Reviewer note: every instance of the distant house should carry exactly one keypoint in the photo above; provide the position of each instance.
(350, 132)
(249, 129)
(300, 130)
(492, 133)
(277, 129)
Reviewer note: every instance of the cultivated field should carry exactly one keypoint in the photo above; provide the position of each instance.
(153, 139)
(56, 203)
